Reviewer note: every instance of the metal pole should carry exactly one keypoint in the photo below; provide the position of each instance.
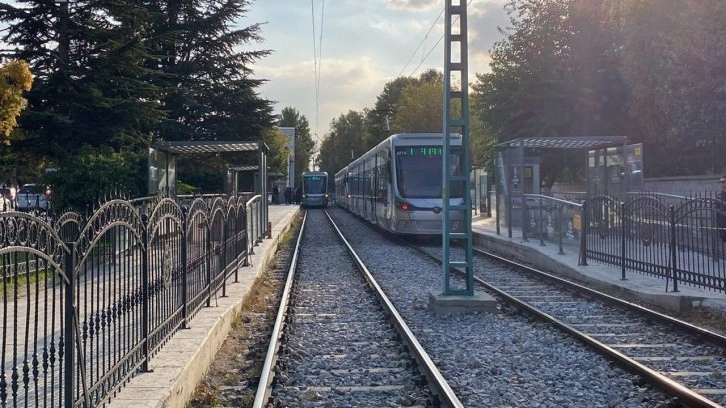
(185, 295)
(145, 304)
(560, 228)
(68, 328)
(622, 241)
(541, 232)
(672, 213)
(584, 227)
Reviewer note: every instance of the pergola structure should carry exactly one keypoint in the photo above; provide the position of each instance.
(612, 166)
(164, 155)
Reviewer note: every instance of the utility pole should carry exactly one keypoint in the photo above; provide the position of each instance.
(456, 61)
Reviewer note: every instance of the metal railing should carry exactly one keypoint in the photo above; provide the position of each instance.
(551, 219)
(673, 237)
(676, 238)
(88, 300)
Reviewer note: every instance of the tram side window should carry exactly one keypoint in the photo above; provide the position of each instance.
(382, 186)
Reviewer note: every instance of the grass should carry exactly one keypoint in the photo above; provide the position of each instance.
(247, 340)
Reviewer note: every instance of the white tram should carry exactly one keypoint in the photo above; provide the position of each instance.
(314, 189)
(397, 185)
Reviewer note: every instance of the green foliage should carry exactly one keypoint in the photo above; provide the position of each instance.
(206, 172)
(278, 155)
(85, 178)
(673, 59)
(123, 72)
(647, 69)
(183, 188)
(15, 78)
(556, 74)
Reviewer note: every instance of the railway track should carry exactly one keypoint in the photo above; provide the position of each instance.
(503, 359)
(337, 340)
(682, 359)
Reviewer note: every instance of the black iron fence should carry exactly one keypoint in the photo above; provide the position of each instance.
(87, 301)
(679, 239)
(676, 238)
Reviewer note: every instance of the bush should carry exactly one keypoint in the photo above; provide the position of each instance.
(95, 173)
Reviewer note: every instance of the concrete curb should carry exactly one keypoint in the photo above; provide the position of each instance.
(523, 254)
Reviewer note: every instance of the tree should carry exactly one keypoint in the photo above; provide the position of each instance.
(209, 90)
(91, 86)
(378, 119)
(556, 74)
(15, 78)
(674, 58)
(121, 75)
(420, 109)
(346, 140)
(277, 156)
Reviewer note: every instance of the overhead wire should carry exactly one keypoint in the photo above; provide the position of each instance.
(434, 46)
(317, 57)
(422, 42)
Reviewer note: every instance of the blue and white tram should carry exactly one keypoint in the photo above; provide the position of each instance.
(397, 185)
(314, 189)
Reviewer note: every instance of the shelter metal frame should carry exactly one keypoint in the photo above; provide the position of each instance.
(586, 143)
(172, 149)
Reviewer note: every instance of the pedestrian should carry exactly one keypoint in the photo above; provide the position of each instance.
(721, 210)
(288, 195)
(298, 196)
(275, 195)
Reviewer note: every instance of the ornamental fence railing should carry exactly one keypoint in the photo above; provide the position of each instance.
(676, 238)
(88, 300)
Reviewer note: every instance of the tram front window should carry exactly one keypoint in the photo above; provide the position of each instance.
(314, 185)
(419, 171)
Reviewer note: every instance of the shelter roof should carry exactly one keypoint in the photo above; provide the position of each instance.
(242, 168)
(576, 142)
(200, 146)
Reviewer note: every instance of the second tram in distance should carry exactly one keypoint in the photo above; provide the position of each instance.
(397, 185)
(314, 189)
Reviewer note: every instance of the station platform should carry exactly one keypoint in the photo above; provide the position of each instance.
(183, 362)
(545, 256)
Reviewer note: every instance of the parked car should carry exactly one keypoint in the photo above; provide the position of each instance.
(33, 196)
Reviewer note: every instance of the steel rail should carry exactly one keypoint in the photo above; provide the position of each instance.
(687, 396)
(264, 387)
(436, 381)
(706, 335)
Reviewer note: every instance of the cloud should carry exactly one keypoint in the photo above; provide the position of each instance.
(412, 4)
(344, 85)
(365, 44)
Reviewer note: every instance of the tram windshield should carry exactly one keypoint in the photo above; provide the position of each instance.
(419, 171)
(314, 185)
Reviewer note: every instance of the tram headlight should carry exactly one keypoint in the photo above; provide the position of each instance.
(404, 206)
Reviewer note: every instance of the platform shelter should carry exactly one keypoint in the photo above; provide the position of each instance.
(163, 157)
(605, 165)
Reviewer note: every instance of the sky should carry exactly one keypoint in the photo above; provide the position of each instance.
(361, 45)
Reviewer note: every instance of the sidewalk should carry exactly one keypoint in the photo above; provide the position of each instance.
(649, 289)
(183, 362)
